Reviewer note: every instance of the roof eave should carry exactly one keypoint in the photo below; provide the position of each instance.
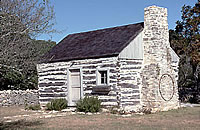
(77, 58)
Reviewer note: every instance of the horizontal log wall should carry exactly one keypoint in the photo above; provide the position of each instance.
(130, 84)
(53, 78)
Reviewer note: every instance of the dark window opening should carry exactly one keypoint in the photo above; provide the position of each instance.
(103, 78)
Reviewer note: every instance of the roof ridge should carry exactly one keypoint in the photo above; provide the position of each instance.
(106, 28)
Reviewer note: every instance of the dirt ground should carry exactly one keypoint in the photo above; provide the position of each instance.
(13, 111)
(18, 118)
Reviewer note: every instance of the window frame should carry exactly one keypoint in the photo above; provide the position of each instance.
(98, 76)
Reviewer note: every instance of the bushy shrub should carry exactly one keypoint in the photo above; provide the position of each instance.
(57, 104)
(33, 107)
(88, 104)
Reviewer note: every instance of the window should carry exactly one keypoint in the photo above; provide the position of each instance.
(102, 77)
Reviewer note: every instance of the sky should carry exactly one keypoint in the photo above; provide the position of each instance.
(73, 16)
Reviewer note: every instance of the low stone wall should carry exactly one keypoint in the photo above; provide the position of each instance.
(18, 97)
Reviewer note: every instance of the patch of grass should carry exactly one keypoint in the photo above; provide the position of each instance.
(182, 118)
(33, 107)
(20, 124)
(114, 110)
(181, 111)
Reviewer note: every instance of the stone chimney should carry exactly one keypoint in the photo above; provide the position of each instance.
(156, 34)
(158, 77)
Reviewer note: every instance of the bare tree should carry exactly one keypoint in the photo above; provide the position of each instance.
(20, 22)
(37, 16)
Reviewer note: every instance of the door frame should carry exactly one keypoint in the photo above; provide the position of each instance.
(69, 87)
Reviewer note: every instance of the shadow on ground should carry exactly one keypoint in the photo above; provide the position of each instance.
(19, 124)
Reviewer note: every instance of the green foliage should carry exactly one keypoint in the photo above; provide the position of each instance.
(40, 47)
(88, 104)
(10, 78)
(20, 73)
(185, 40)
(57, 104)
(33, 107)
(188, 27)
(186, 37)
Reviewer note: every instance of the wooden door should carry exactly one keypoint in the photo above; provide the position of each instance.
(74, 86)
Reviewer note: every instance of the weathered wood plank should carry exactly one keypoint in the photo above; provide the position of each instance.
(51, 84)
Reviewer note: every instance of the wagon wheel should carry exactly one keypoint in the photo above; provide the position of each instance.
(166, 78)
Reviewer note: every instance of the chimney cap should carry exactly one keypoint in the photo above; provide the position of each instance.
(154, 6)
